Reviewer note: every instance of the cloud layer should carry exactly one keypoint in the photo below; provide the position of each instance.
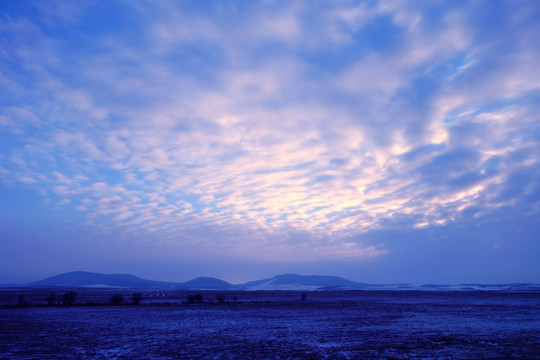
(282, 131)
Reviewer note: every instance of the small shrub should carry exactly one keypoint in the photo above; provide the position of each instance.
(51, 299)
(136, 298)
(220, 298)
(117, 299)
(68, 298)
(22, 301)
(198, 298)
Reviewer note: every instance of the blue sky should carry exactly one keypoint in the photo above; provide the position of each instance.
(381, 141)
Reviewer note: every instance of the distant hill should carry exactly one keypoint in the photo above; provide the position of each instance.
(279, 282)
(522, 287)
(206, 283)
(89, 279)
(303, 282)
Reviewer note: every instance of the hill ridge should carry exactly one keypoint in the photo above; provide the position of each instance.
(288, 281)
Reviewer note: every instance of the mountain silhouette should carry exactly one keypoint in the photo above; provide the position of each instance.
(298, 282)
(279, 282)
(206, 283)
(89, 279)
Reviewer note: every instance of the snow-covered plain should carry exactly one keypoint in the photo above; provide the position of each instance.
(278, 325)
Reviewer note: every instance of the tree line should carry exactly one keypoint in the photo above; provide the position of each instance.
(69, 298)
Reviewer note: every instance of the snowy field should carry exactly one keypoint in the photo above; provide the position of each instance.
(327, 325)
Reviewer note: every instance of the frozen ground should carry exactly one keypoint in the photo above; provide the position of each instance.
(349, 325)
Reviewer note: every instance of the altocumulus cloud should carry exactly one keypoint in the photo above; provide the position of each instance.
(274, 130)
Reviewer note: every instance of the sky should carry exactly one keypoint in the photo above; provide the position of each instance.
(380, 141)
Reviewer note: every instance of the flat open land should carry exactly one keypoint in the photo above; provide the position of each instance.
(275, 325)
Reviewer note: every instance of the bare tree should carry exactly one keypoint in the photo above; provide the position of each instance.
(22, 301)
(117, 299)
(220, 298)
(68, 298)
(51, 298)
(136, 298)
(198, 298)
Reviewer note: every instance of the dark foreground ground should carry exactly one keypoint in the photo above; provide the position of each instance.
(338, 325)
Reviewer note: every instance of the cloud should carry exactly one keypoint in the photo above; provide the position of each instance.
(276, 130)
